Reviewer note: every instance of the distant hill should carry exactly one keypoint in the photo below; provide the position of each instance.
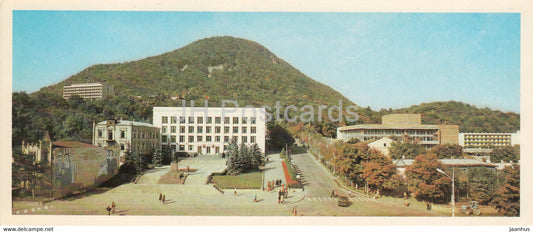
(219, 68)
(469, 118)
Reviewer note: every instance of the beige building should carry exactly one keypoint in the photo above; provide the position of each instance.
(402, 125)
(141, 138)
(88, 90)
(208, 130)
(383, 145)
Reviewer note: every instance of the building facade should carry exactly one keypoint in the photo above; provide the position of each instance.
(402, 125)
(488, 140)
(87, 90)
(208, 130)
(383, 145)
(142, 138)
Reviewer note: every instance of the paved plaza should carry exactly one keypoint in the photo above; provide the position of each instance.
(195, 197)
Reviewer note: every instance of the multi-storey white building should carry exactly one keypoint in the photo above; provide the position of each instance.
(488, 140)
(142, 138)
(208, 130)
(87, 90)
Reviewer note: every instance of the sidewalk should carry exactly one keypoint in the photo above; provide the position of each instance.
(273, 169)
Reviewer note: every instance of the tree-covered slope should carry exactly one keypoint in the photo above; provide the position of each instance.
(219, 67)
(469, 118)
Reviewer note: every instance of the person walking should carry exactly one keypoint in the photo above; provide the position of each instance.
(235, 192)
(163, 199)
(255, 198)
(160, 197)
(113, 207)
(108, 208)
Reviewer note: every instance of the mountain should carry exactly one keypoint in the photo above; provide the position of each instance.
(221, 68)
(469, 118)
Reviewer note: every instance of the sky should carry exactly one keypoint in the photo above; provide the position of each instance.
(381, 60)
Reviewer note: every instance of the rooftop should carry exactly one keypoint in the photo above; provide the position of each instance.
(127, 122)
(70, 144)
(387, 126)
(448, 162)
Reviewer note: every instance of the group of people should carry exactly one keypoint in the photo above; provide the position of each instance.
(162, 198)
(273, 184)
(111, 209)
(283, 194)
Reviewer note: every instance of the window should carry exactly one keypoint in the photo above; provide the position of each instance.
(225, 147)
(252, 139)
(191, 119)
(244, 120)
(226, 129)
(200, 120)
(209, 120)
(182, 119)
(100, 133)
(208, 129)
(109, 135)
(164, 138)
(252, 130)
(226, 120)
(122, 134)
(182, 147)
(217, 129)
(235, 120)
(190, 147)
(244, 139)
(244, 130)
(173, 119)
(122, 147)
(182, 139)
(191, 129)
(217, 138)
(164, 119)
(173, 129)
(200, 129)
(199, 138)
(217, 120)
(252, 120)
(226, 139)
(208, 138)
(164, 129)
(173, 139)
(191, 139)
(235, 129)
(235, 138)
(182, 129)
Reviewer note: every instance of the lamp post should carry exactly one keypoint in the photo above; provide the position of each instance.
(453, 187)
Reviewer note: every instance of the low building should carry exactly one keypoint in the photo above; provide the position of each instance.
(402, 125)
(209, 130)
(383, 145)
(76, 166)
(141, 138)
(462, 164)
(88, 90)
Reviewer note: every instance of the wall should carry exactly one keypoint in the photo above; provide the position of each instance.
(402, 119)
(449, 134)
(81, 169)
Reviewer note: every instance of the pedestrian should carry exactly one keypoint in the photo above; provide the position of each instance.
(255, 198)
(113, 207)
(279, 199)
(108, 208)
(160, 196)
(333, 193)
(235, 192)
(163, 199)
(349, 193)
(282, 199)
(294, 212)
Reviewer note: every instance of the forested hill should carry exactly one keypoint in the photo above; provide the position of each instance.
(219, 68)
(469, 118)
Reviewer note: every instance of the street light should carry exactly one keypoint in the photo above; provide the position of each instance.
(453, 187)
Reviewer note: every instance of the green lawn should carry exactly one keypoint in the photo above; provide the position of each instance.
(250, 180)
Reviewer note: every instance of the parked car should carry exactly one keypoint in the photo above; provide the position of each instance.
(344, 202)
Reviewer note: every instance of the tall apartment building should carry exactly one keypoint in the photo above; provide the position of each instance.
(208, 130)
(402, 125)
(488, 140)
(142, 138)
(88, 90)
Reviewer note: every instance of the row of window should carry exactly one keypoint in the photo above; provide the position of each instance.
(489, 140)
(208, 129)
(136, 134)
(200, 138)
(398, 132)
(200, 149)
(208, 120)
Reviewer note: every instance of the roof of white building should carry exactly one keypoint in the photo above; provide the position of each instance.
(386, 126)
(447, 162)
(127, 122)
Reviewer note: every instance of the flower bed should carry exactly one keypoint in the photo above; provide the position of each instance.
(288, 179)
